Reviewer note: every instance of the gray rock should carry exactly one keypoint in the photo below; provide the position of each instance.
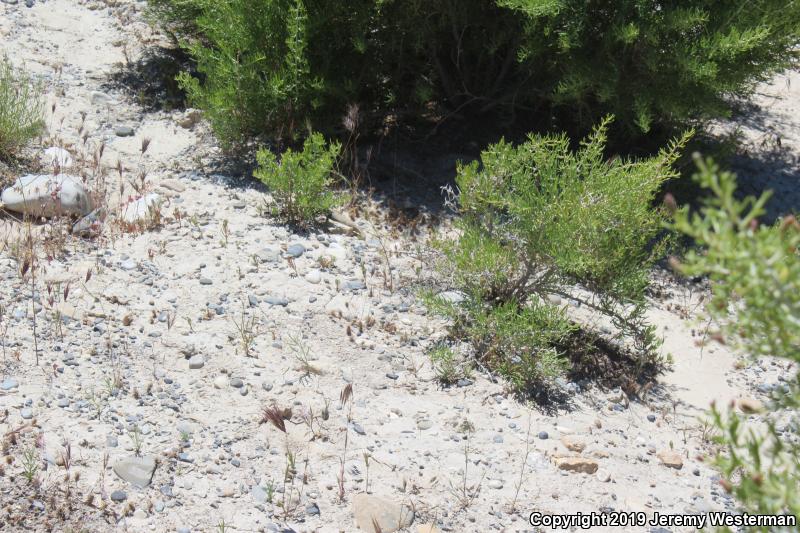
(314, 277)
(124, 131)
(277, 300)
(353, 285)
(205, 281)
(196, 362)
(119, 496)
(268, 255)
(101, 98)
(138, 471)
(543, 435)
(26, 413)
(111, 441)
(312, 509)
(296, 250)
(358, 429)
(44, 195)
(252, 300)
(9, 383)
(389, 516)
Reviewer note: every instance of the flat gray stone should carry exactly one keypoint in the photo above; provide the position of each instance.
(196, 362)
(45, 195)
(277, 300)
(124, 131)
(296, 250)
(138, 471)
(9, 383)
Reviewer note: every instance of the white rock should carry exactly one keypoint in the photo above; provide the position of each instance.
(141, 209)
(55, 156)
(47, 196)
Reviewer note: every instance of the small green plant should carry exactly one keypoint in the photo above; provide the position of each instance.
(300, 183)
(246, 330)
(446, 365)
(30, 463)
(270, 491)
(21, 111)
(755, 275)
(537, 220)
(136, 438)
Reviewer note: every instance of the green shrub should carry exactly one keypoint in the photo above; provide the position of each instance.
(21, 111)
(300, 182)
(270, 66)
(536, 219)
(755, 275)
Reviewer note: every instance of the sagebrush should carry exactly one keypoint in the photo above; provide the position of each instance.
(301, 181)
(755, 278)
(272, 66)
(21, 109)
(540, 220)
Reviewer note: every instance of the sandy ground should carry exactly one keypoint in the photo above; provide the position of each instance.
(146, 354)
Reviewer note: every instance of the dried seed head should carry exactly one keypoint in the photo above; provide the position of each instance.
(273, 415)
(347, 394)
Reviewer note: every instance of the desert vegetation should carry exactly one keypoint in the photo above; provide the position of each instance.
(399, 266)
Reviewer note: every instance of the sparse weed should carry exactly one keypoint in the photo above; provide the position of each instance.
(21, 109)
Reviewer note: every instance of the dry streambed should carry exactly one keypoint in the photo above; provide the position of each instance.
(167, 323)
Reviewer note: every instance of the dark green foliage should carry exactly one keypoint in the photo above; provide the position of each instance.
(537, 219)
(652, 62)
(271, 66)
